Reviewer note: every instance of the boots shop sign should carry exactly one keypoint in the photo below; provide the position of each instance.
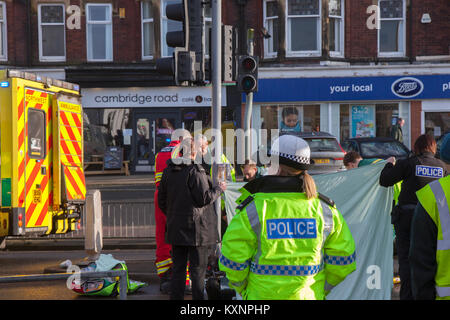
(149, 97)
(354, 88)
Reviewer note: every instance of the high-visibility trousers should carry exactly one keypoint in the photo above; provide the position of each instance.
(163, 257)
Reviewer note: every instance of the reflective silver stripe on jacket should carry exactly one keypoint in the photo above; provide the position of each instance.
(443, 291)
(253, 218)
(444, 215)
(327, 221)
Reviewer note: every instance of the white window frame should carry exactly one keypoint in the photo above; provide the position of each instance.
(4, 34)
(267, 42)
(107, 23)
(143, 22)
(40, 24)
(341, 52)
(402, 35)
(306, 53)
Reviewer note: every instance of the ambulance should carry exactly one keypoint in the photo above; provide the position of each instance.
(43, 188)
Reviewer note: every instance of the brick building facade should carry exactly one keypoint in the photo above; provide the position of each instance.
(109, 47)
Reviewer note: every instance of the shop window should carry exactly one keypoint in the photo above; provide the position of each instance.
(311, 118)
(143, 138)
(437, 123)
(104, 128)
(344, 120)
(289, 119)
(367, 120)
(163, 132)
(148, 35)
(190, 115)
(52, 35)
(386, 114)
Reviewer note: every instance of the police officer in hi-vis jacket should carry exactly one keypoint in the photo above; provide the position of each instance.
(430, 238)
(286, 241)
(416, 172)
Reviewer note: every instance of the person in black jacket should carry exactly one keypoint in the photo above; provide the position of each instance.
(186, 196)
(416, 172)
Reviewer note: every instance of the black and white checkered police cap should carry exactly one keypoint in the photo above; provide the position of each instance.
(292, 151)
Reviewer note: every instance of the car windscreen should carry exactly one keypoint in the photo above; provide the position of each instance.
(323, 144)
(371, 149)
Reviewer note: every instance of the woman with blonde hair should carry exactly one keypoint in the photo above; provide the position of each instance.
(286, 240)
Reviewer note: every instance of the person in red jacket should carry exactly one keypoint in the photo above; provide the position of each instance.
(163, 250)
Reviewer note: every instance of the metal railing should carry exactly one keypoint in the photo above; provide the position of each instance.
(122, 219)
(122, 274)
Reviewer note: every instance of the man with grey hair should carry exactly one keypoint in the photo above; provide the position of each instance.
(185, 196)
(203, 156)
(163, 259)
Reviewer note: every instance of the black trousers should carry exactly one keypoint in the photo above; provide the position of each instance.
(198, 262)
(402, 227)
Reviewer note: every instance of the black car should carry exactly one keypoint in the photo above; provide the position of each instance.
(377, 147)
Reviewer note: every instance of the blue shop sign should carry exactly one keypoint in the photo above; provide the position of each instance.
(354, 88)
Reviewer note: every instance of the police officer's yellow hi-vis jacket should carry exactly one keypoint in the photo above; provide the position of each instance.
(435, 200)
(280, 245)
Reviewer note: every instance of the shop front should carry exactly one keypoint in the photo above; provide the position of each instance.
(338, 102)
(141, 120)
(435, 117)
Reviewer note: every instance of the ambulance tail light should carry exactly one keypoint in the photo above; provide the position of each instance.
(20, 222)
(17, 226)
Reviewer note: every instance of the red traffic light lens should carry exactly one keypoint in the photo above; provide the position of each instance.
(249, 64)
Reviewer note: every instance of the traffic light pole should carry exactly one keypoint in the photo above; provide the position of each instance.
(216, 112)
(249, 103)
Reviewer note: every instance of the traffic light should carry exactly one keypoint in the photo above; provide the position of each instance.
(188, 42)
(196, 37)
(178, 12)
(184, 66)
(227, 53)
(229, 49)
(247, 77)
(177, 40)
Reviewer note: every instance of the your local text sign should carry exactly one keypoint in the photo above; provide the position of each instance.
(148, 97)
(354, 88)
